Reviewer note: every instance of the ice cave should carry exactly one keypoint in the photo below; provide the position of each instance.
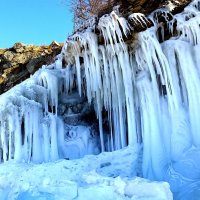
(96, 99)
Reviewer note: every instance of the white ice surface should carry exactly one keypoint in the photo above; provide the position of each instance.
(106, 176)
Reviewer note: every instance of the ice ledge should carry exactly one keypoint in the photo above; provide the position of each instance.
(101, 177)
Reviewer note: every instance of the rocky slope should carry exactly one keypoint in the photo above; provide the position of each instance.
(18, 62)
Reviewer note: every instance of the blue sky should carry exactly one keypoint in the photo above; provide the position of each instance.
(34, 21)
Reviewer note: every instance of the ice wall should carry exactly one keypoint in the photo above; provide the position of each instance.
(31, 130)
(149, 89)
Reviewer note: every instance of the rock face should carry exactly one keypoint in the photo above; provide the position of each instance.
(76, 110)
(18, 62)
(146, 6)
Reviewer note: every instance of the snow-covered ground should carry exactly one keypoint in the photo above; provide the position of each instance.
(107, 176)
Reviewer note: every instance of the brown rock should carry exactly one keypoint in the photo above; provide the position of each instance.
(20, 58)
(8, 55)
(18, 62)
(7, 65)
(19, 47)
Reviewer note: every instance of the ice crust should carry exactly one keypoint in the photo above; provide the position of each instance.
(103, 177)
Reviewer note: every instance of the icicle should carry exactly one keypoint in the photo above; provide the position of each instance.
(36, 148)
(50, 81)
(58, 62)
(46, 142)
(53, 138)
(11, 129)
(191, 84)
(60, 136)
(138, 18)
(4, 143)
(154, 159)
(121, 101)
(99, 114)
(129, 94)
(110, 27)
(68, 75)
(78, 69)
(18, 136)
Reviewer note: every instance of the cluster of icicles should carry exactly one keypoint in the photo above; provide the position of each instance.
(29, 132)
(115, 73)
(149, 90)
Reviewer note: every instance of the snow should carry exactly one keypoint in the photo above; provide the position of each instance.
(138, 18)
(170, 6)
(103, 177)
(110, 26)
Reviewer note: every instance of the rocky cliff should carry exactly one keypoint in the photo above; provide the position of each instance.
(18, 62)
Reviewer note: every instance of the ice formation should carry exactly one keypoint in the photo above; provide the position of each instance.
(81, 179)
(148, 90)
(31, 130)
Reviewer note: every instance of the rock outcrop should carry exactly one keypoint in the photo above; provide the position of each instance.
(18, 62)
(128, 7)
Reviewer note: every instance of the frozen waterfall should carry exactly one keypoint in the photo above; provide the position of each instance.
(148, 90)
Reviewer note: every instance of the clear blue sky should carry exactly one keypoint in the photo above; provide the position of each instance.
(34, 21)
